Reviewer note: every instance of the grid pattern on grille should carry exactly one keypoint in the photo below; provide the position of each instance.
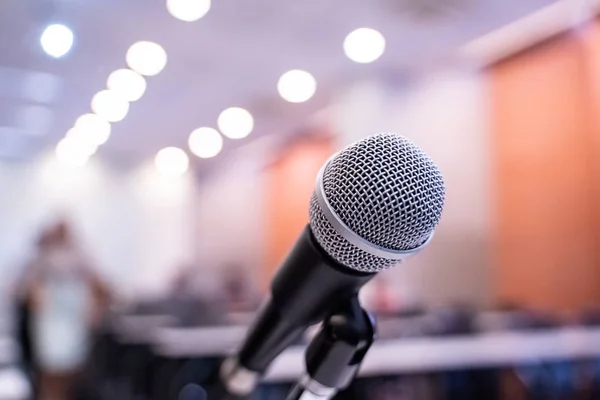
(387, 191)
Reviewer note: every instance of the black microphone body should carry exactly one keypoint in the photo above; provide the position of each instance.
(307, 287)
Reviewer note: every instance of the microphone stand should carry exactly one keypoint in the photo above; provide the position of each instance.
(335, 354)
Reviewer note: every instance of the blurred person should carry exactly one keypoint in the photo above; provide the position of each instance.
(189, 304)
(65, 299)
(238, 291)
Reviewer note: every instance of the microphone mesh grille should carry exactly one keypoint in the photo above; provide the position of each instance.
(387, 191)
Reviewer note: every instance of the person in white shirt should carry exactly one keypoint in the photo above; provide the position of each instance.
(67, 299)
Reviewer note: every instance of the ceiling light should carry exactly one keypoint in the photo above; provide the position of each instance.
(79, 142)
(146, 58)
(110, 106)
(296, 86)
(171, 161)
(72, 152)
(235, 123)
(56, 40)
(188, 10)
(95, 128)
(205, 142)
(364, 45)
(127, 83)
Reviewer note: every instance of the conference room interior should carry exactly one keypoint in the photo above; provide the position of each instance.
(157, 159)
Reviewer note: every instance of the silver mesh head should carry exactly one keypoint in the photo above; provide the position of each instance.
(387, 191)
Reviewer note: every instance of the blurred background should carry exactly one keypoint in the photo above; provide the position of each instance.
(157, 158)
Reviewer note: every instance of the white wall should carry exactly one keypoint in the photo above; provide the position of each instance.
(445, 112)
(135, 224)
(230, 213)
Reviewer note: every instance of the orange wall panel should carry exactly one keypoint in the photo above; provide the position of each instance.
(289, 184)
(545, 253)
(590, 38)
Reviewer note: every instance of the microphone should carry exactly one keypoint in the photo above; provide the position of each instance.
(375, 203)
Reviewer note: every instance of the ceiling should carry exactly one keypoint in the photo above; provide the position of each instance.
(233, 56)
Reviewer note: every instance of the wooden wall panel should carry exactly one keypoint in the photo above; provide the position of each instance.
(289, 184)
(545, 232)
(590, 38)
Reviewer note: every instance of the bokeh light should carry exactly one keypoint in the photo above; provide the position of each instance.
(146, 58)
(110, 105)
(188, 10)
(171, 162)
(296, 86)
(56, 40)
(235, 123)
(74, 152)
(205, 142)
(364, 45)
(127, 83)
(93, 127)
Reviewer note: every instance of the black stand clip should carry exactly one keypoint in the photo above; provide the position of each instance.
(335, 354)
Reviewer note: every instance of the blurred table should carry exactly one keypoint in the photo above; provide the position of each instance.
(400, 356)
(139, 329)
(174, 342)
